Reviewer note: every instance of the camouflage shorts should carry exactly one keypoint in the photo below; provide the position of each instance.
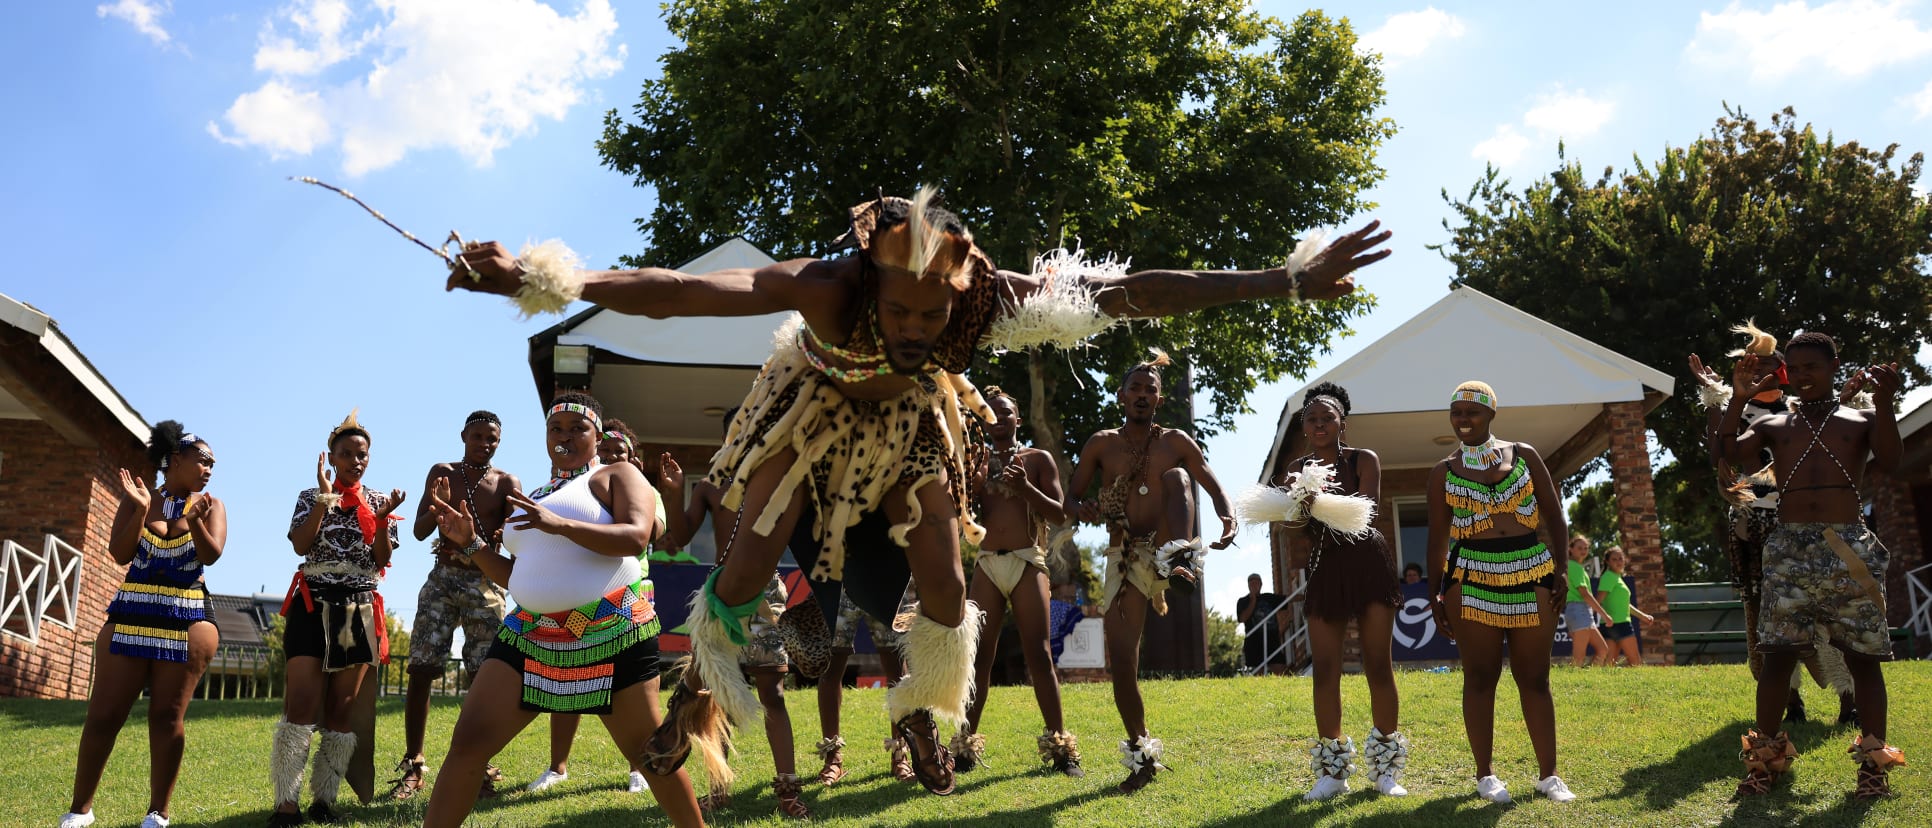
(1809, 592)
(764, 646)
(451, 598)
(846, 632)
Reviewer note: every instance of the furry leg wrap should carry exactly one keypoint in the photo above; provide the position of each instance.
(717, 638)
(1178, 554)
(1142, 752)
(287, 758)
(1058, 747)
(1388, 754)
(1333, 757)
(1832, 671)
(941, 674)
(331, 765)
(969, 749)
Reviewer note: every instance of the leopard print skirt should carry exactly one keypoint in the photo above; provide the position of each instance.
(850, 453)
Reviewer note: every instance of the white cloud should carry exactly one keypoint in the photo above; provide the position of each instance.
(389, 77)
(1502, 148)
(1407, 35)
(145, 17)
(1921, 102)
(1848, 37)
(1568, 114)
(1555, 115)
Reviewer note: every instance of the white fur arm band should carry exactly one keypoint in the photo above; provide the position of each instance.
(551, 279)
(325, 501)
(1714, 396)
(1305, 251)
(1064, 312)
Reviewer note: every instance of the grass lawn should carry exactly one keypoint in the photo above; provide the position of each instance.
(1640, 747)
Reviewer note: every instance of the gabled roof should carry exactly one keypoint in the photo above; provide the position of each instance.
(1535, 367)
(41, 327)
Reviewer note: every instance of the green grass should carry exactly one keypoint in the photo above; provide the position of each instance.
(1640, 747)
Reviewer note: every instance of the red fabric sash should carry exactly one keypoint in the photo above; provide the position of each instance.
(366, 517)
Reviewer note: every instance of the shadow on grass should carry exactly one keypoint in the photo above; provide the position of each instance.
(1713, 760)
(1458, 810)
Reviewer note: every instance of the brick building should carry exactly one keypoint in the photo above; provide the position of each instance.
(64, 435)
(1570, 398)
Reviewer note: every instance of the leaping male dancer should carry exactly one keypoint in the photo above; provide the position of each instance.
(859, 419)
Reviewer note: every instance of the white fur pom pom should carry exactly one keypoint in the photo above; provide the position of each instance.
(1064, 312)
(1862, 401)
(1264, 504)
(551, 280)
(1347, 515)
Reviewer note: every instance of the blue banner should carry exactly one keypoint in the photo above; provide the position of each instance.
(1417, 638)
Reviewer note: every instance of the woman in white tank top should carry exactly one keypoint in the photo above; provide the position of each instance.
(583, 637)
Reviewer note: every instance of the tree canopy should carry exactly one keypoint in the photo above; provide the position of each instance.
(1182, 133)
(1767, 222)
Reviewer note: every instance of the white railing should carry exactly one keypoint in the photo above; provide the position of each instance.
(38, 587)
(1921, 596)
(1294, 642)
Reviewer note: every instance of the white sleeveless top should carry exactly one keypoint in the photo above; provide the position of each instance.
(553, 573)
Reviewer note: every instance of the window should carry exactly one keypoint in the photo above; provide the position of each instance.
(35, 588)
(1411, 533)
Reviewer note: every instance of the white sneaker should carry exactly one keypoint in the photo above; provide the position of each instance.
(73, 820)
(1493, 789)
(548, 779)
(1389, 787)
(1554, 788)
(155, 820)
(1326, 788)
(638, 783)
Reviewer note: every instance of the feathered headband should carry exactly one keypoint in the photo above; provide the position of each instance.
(350, 425)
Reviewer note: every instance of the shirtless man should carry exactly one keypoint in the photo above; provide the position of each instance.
(1019, 491)
(1823, 569)
(1147, 476)
(456, 593)
(858, 420)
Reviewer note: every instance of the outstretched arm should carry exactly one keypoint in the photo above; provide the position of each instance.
(655, 292)
(1154, 293)
(1197, 466)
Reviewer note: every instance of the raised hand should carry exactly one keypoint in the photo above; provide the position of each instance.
(1014, 474)
(533, 516)
(491, 270)
(1328, 275)
(1886, 381)
(137, 491)
(1745, 382)
(200, 508)
(1704, 375)
(324, 478)
(396, 498)
(669, 471)
(456, 524)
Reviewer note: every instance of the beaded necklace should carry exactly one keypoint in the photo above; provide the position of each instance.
(1481, 457)
(172, 508)
(560, 477)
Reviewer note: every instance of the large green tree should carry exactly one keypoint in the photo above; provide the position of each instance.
(1184, 133)
(1772, 222)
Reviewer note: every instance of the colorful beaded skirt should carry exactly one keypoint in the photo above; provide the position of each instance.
(570, 657)
(162, 597)
(1499, 577)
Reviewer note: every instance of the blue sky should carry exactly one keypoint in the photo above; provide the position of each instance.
(147, 145)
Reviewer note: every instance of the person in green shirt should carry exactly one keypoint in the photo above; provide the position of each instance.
(1581, 610)
(1614, 597)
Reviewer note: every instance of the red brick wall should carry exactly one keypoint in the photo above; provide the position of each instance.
(1637, 522)
(1898, 529)
(50, 486)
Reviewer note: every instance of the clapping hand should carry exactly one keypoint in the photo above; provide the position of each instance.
(1886, 381)
(324, 478)
(396, 498)
(456, 523)
(137, 491)
(1745, 382)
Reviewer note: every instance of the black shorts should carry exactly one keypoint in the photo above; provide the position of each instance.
(317, 632)
(1619, 631)
(876, 571)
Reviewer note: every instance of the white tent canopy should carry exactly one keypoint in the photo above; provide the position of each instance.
(1551, 384)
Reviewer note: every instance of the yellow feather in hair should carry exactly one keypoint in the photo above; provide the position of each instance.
(1761, 344)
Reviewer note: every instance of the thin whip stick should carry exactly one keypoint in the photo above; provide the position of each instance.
(441, 253)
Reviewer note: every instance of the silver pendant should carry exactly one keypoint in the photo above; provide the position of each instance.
(1143, 488)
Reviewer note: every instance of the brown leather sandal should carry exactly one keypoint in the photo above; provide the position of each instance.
(410, 783)
(1875, 762)
(932, 764)
(832, 752)
(901, 760)
(788, 787)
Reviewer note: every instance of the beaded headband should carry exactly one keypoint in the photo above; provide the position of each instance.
(1476, 397)
(1323, 398)
(619, 435)
(187, 442)
(481, 418)
(596, 422)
